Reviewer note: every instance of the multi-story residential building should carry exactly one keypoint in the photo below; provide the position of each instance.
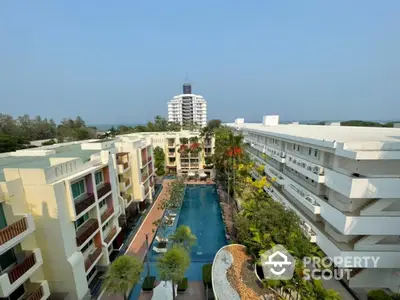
(21, 273)
(67, 205)
(185, 151)
(343, 182)
(188, 108)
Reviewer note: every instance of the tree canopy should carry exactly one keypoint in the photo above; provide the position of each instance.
(16, 133)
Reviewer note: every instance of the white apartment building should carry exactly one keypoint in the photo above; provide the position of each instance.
(344, 184)
(70, 203)
(188, 108)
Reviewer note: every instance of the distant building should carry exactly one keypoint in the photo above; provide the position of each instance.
(188, 108)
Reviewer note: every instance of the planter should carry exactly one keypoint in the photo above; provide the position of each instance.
(182, 286)
(148, 283)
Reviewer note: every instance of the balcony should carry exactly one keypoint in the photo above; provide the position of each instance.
(13, 234)
(146, 191)
(123, 167)
(111, 235)
(308, 232)
(86, 231)
(37, 291)
(92, 258)
(171, 154)
(103, 190)
(144, 177)
(149, 158)
(150, 170)
(125, 184)
(108, 213)
(303, 198)
(358, 186)
(305, 167)
(83, 203)
(128, 198)
(27, 263)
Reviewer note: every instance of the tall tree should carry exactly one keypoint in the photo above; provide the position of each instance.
(122, 275)
(159, 161)
(172, 266)
(183, 236)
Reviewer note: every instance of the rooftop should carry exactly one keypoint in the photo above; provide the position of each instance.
(38, 162)
(341, 134)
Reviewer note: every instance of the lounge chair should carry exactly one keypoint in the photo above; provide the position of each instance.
(158, 239)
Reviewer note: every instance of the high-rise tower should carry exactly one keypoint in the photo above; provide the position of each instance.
(188, 108)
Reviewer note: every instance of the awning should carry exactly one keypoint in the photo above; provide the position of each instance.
(163, 291)
(191, 174)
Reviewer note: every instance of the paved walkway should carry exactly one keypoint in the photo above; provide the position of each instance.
(195, 291)
(138, 244)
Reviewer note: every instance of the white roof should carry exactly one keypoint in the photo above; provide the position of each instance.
(347, 137)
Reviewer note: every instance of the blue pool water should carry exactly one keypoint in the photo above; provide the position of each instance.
(202, 213)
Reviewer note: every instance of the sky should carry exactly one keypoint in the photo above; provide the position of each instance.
(114, 62)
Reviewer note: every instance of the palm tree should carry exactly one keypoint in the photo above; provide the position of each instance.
(122, 275)
(183, 236)
(172, 265)
(234, 150)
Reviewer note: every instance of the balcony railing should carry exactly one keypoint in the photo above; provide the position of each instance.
(128, 198)
(86, 230)
(107, 214)
(37, 295)
(21, 268)
(92, 258)
(103, 190)
(171, 154)
(146, 190)
(127, 182)
(111, 235)
(305, 199)
(306, 165)
(13, 230)
(144, 177)
(81, 205)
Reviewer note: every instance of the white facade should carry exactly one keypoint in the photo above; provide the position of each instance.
(188, 108)
(344, 183)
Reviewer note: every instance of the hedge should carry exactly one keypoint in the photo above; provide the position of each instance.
(207, 275)
(148, 283)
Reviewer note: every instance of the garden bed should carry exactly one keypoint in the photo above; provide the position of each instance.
(233, 271)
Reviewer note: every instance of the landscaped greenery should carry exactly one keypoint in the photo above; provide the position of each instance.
(183, 285)
(122, 274)
(207, 279)
(159, 161)
(16, 133)
(148, 283)
(172, 265)
(378, 295)
(183, 236)
(264, 223)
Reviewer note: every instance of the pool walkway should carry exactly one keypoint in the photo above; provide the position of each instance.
(138, 245)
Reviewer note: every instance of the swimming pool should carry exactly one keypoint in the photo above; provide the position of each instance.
(202, 213)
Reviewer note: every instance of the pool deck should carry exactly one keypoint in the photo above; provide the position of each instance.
(138, 245)
(195, 291)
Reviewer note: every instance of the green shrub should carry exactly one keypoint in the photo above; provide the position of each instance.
(148, 283)
(183, 285)
(378, 295)
(207, 274)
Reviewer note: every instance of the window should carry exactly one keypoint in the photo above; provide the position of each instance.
(81, 220)
(102, 203)
(309, 151)
(298, 147)
(315, 152)
(98, 177)
(294, 146)
(90, 243)
(78, 188)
